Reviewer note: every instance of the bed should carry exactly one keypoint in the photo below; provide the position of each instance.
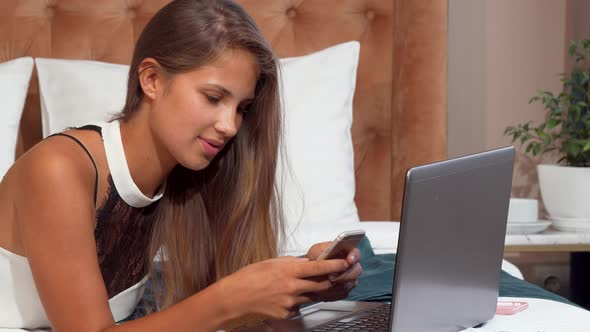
(397, 112)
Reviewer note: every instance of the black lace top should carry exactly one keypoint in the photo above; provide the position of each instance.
(122, 236)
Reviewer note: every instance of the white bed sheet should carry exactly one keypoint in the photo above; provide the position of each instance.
(541, 316)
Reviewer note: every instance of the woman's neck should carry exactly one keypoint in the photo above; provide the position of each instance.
(148, 160)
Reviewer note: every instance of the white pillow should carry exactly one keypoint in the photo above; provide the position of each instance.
(74, 93)
(317, 89)
(14, 83)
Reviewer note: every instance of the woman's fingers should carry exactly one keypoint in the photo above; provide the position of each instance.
(351, 274)
(302, 286)
(354, 256)
(337, 292)
(301, 299)
(320, 268)
(315, 250)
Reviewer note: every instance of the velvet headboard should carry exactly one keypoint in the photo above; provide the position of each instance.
(400, 117)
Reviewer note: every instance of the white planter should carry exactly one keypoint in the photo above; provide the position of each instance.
(565, 191)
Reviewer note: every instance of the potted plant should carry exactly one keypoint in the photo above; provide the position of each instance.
(565, 187)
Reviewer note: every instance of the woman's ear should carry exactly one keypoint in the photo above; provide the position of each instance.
(149, 75)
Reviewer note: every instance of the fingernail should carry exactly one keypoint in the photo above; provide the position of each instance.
(352, 258)
(332, 276)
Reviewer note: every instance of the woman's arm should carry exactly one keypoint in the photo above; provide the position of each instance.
(55, 214)
(207, 310)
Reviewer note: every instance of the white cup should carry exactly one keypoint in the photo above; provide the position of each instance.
(523, 210)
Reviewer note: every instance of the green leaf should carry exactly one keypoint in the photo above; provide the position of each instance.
(552, 123)
(529, 147)
(576, 110)
(572, 149)
(542, 135)
(587, 146)
(572, 48)
(549, 149)
(536, 149)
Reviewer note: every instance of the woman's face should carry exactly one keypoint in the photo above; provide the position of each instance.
(199, 111)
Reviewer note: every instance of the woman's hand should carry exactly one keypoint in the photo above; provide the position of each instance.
(277, 287)
(342, 283)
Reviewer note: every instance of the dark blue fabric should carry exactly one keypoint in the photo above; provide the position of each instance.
(376, 282)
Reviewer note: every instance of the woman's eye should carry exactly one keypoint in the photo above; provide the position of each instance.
(244, 109)
(213, 99)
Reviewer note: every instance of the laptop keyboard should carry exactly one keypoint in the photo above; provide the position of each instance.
(374, 320)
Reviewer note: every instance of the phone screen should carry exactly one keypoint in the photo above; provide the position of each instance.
(343, 245)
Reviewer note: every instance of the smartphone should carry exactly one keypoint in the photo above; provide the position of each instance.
(342, 245)
(510, 307)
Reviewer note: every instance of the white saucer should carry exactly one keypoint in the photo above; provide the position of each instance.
(571, 226)
(527, 227)
(566, 219)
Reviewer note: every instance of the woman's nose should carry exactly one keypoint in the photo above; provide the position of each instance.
(228, 122)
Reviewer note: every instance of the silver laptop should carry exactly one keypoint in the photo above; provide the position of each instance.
(449, 257)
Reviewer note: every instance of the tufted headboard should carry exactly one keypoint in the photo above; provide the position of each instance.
(400, 117)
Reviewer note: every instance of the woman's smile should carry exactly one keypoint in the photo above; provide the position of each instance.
(210, 147)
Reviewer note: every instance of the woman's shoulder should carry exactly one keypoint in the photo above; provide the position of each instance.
(50, 179)
(57, 163)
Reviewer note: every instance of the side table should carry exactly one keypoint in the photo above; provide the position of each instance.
(553, 240)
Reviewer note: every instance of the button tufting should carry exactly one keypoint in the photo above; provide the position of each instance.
(50, 11)
(291, 13)
(131, 12)
(50, 7)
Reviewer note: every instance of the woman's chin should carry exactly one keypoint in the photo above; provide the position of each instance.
(195, 164)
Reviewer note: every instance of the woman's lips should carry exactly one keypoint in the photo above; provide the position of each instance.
(209, 147)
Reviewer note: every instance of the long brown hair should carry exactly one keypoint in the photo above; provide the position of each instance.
(214, 221)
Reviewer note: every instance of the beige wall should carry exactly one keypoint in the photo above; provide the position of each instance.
(466, 77)
(578, 24)
(500, 53)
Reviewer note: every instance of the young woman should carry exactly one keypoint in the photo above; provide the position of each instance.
(188, 167)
